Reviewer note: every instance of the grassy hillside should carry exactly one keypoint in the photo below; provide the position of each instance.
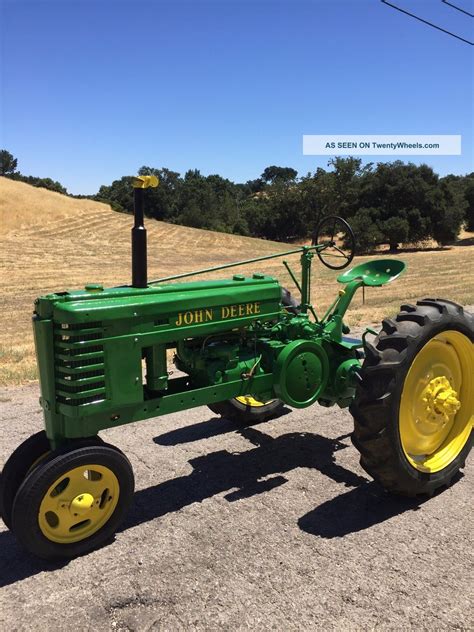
(50, 242)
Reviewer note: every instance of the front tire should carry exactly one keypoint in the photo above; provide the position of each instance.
(414, 408)
(73, 502)
(23, 459)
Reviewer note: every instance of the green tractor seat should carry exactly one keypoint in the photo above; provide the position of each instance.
(374, 273)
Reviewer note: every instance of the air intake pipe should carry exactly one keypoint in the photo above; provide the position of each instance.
(139, 252)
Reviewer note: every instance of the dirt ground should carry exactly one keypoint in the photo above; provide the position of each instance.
(270, 527)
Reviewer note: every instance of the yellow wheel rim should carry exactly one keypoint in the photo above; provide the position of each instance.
(249, 400)
(78, 504)
(437, 402)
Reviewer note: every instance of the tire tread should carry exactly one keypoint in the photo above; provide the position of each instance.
(375, 407)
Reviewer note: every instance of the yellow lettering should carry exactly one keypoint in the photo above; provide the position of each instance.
(198, 316)
(227, 311)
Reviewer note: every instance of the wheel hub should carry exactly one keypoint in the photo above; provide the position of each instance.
(81, 504)
(436, 415)
(441, 401)
(78, 503)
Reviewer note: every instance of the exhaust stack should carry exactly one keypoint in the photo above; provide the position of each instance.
(139, 252)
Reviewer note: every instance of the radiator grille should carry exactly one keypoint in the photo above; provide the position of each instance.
(79, 364)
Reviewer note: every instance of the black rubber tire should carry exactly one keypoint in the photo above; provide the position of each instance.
(16, 468)
(28, 499)
(237, 411)
(21, 461)
(376, 404)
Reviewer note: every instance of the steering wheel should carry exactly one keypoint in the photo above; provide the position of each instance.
(336, 242)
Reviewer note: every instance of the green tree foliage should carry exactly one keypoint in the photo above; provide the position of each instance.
(119, 193)
(451, 206)
(279, 175)
(43, 183)
(463, 189)
(402, 192)
(277, 213)
(333, 192)
(210, 202)
(394, 230)
(161, 202)
(410, 204)
(8, 163)
(388, 204)
(365, 226)
(469, 197)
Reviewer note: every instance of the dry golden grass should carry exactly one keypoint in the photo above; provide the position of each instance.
(23, 206)
(51, 243)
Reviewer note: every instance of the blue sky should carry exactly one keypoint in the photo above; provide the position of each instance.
(94, 89)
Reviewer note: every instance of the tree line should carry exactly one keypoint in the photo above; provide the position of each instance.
(390, 203)
(8, 168)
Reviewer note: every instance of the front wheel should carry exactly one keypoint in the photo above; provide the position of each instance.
(73, 502)
(27, 455)
(414, 408)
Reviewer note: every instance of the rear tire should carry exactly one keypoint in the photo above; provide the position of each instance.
(413, 410)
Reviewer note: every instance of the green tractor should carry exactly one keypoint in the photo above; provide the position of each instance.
(245, 348)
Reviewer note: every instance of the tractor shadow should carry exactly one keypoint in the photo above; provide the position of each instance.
(206, 430)
(262, 468)
(359, 509)
(243, 475)
(355, 510)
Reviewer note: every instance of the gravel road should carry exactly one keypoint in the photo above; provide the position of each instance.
(270, 527)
